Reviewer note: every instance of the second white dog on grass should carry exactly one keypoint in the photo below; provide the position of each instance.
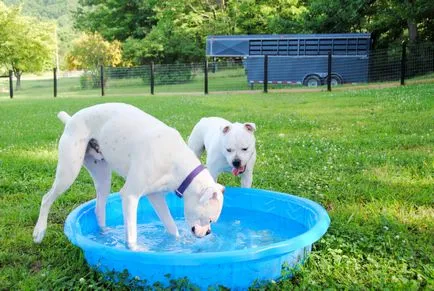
(230, 147)
(152, 158)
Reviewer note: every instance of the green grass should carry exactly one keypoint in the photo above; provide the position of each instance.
(366, 156)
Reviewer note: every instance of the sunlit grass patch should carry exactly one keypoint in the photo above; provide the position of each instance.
(401, 176)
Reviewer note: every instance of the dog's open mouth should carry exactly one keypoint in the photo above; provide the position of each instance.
(238, 171)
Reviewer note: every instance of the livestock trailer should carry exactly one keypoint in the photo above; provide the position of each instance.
(297, 58)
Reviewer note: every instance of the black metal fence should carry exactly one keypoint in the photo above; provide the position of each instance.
(408, 64)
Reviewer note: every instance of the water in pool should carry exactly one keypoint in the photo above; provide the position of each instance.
(236, 229)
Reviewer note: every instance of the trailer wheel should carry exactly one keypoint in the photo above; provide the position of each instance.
(336, 80)
(312, 81)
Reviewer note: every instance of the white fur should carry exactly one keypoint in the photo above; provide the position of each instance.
(152, 158)
(217, 135)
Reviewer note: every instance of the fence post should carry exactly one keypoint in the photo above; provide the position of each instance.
(206, 76)
(102, 81)
(265, 73)
(55, 81)
(403, 62)
(152, 77)
(329, 72)
(11, 85)
(432, 55)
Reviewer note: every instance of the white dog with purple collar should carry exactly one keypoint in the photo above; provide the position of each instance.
(152, 158)
(230, 147)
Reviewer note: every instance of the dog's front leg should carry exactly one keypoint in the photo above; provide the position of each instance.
(158, 201)
(214, 166)
(246, 179)
(247, 176)
(129, 207)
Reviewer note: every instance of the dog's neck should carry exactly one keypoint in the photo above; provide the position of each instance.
(188, 180)
(184, 168)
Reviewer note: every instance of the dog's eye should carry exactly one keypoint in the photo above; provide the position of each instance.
(228, 150)
(210, 221)
(245, 149)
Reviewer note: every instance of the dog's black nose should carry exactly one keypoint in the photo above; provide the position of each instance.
(208, 231)
(236, 163)
(192, 229)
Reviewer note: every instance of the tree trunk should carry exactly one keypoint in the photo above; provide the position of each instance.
(18, 76)
(412, 31)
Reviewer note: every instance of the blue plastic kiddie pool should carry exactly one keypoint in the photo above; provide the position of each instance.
(258, 233)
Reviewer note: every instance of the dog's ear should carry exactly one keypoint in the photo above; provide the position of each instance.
(250, 126)
(225, 129)
(209, 194)
(217, 196)
(206, 196)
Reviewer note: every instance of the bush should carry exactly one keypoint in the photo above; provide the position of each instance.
(92, 80)
(86, 80)
(127, 73)
(170, 74)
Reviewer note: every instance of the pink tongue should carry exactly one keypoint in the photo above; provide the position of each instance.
(236, 171)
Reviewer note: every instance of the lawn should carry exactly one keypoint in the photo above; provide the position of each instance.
(365, 155)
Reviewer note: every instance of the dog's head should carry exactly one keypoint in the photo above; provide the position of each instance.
(239, 145)
(203, 207)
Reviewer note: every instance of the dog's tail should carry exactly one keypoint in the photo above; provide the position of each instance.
(64, 117)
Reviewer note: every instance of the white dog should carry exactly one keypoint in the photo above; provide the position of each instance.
(151, 157)
(230, 147)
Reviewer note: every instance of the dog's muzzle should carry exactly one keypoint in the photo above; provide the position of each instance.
(193, 230)
(237, 168)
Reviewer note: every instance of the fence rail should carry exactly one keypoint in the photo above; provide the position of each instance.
(412, 63)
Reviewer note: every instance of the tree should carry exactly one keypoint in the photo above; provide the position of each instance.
(26, 44)
(266, 16)
(59, 11)
(116, 19)
(175, 30)
(90, 52)
(389, 21)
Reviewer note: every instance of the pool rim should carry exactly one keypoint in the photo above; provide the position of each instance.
(72, 230)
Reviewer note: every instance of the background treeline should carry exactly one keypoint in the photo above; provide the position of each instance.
(170, 31)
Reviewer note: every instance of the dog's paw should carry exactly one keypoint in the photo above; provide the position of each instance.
(136, 248)
(174, 232)
(38, 235)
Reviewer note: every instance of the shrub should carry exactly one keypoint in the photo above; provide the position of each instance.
(92, 80)
(170, 74)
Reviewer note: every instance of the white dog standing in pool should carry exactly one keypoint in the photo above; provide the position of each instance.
(230, 147)
(151, 156)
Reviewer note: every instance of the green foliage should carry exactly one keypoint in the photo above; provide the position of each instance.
(90, 51)
(176, 30)
(90, 80)
(266, 17)
(26, 44)
(114, 19)
(59, 11)
(172, 74)
(388, 20)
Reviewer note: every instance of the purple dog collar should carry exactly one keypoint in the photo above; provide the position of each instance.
(180, 191)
